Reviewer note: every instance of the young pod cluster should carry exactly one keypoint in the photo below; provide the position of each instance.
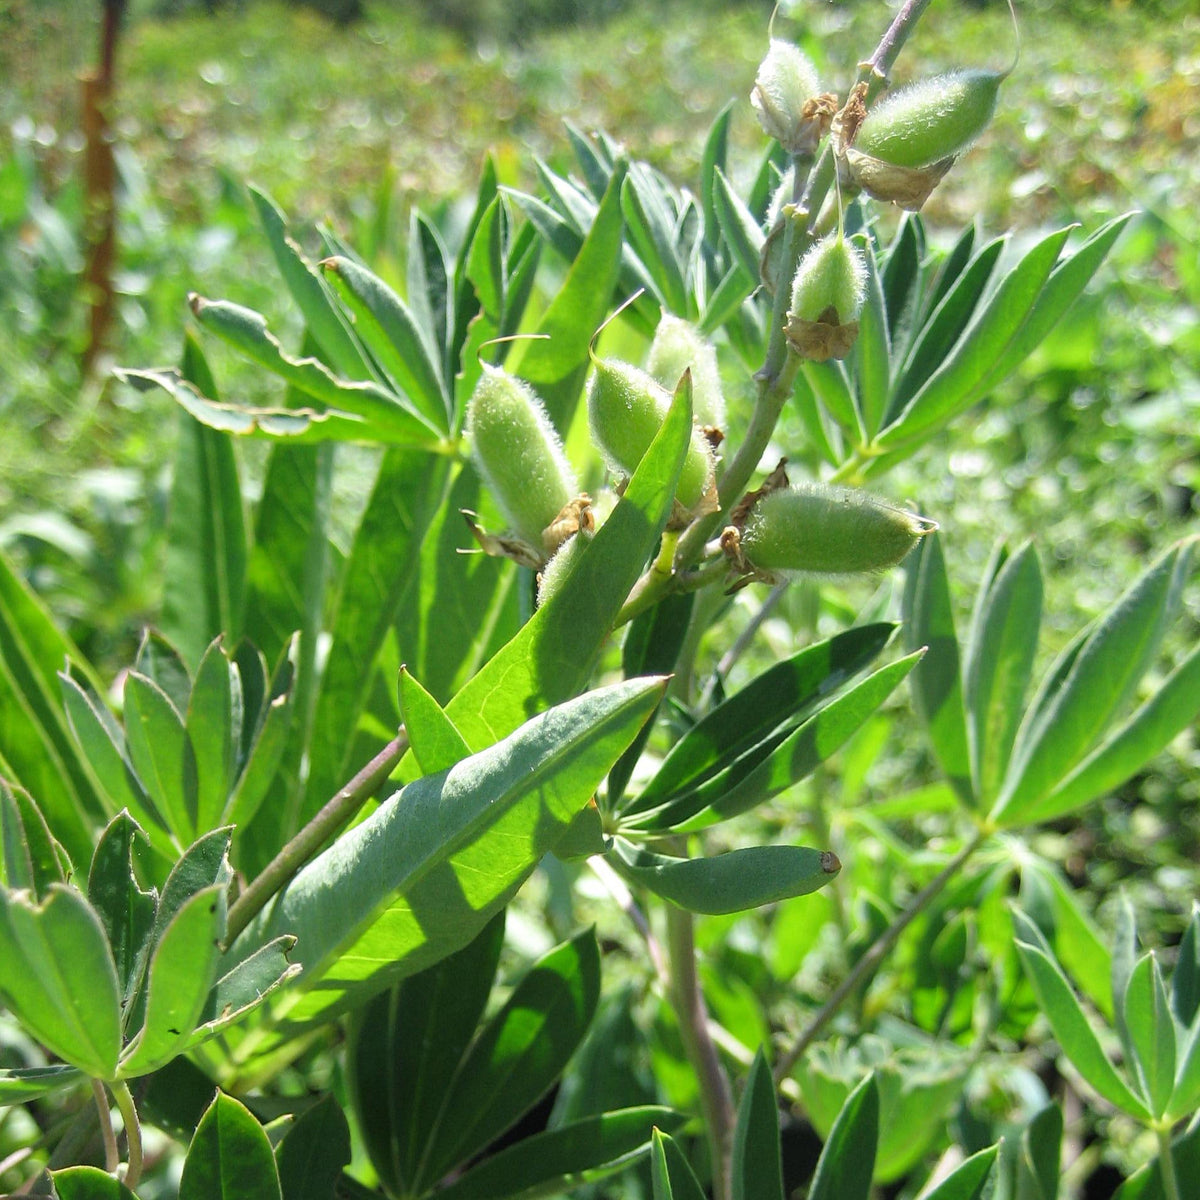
(787, 100)
(827, 295)
(820, 529)
(678, 346)
(626, 409)
(519, 455)
(900, 149)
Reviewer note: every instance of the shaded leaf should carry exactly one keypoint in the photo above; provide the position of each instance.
(757, 1162)
(313, 1152)
(229, 1157)
(847, 1160)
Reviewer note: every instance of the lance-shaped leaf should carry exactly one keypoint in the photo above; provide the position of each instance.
(1151, 1033)
(161, 754)
(1039, 1155)
(1000, 652)
(936, 681)
(518, 1054)
(59, 978)
(757, 1162)
(847, 1161)
(313, 1152)
(1090, 682)
(230, 1157)
(421, 875)
(968, 1181)
(1071, 1027)
(902, 274)
(872, 353)
(732, 882)
(214, 725)
(30, 858)
(89, 1183)
(435, 742)
(584, 1151)
(650, 227)
(671, 1175)
(737, 226)
(21, 1084)
(427, 276)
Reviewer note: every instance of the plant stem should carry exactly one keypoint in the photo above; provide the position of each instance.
(112, 1156)
(716, 1099)
(1166, 1163)
(619, 891)
(877, 952)
(133, 1132)
(344, 803)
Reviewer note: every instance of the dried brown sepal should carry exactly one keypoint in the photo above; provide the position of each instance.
(742, 572)
(819, 112)
(709, 502)
(822, 339)
(906, 187)
(713, 435)
(777, 479)
(844, 125)
(513, 548)
(575, 517)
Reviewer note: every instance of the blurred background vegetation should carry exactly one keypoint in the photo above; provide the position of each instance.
(352, 111)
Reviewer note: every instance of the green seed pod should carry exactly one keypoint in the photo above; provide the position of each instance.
(819, 529)
(626, 408)
(785, 85)
(518, 453)
(560, 566)
(678, 345)
(931, 120)
(827, 294)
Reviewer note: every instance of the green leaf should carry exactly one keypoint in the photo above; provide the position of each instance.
(180, 976)
(245, 985)
(1185, 981)
(435, 742)
(584, 1151)
(427, 276)
(204, 864)
(872, 350)
(160, 662)
(89, 1183)
(1121, 963)
(1146, 1184)
(313, 1152)
(672, 1177)
(420, 876)
(936, 681)
(31, 857)
(738, 226)
(968, 369)
(384, 415)
(778, 696)
(18, 1085)
(214, 725)
(999, 660)
(405, 1046)
(34, 739)
(327, 324)
(484, 258)
(847, 1161)
(1090, 682)
(650, 229)
(230, 1157)
(968, 1181)
(59, 978)
(1185, 1098)
(713, 159)
(830, 383)
(518, 1054)
(555, 366)
(1040, 1151)
(732, 882)
(205, 571)
(1072, 1029)
(161, 754)
(402, 348)
(125, 911)
(902, 269)
(757, 1162)
(785, 759)
(1151, 1033)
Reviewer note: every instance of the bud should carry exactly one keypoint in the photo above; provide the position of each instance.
(518, 454)
(900, 149)
(626, 409)
(677, 346)
(561, 565)
(819, 529)
(827, 294)
(784, 89)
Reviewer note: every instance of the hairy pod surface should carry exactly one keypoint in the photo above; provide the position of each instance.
(820, 529)
(518, 453)
(678, 345)
(930, 120)
(626, 408)
(783, 88)
(827, 294)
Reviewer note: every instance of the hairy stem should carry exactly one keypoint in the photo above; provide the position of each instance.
(133, 1132)
(344, 803)
(112, 1156)
(878, 950)
(716, 1099)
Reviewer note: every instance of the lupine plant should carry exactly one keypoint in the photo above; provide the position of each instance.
(263, 895)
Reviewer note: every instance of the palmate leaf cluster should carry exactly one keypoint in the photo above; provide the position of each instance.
(495, 733)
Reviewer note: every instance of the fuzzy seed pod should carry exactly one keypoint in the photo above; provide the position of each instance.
(678, 345)
(827, 294)
(819, 529)
(626, 409)
(784, 88)
(930, 120)
(560, 566)
(518, 453)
